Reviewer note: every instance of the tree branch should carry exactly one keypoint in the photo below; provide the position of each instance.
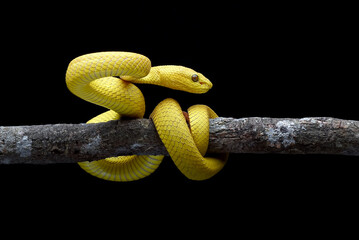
(69, 143)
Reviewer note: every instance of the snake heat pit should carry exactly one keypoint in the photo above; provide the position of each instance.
(108, 79)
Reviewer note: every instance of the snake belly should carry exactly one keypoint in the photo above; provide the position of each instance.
(107, 78)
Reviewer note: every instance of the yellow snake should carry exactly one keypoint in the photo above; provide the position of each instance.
(107, 79)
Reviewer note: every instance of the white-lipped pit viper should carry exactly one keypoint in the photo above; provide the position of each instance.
(107, 79)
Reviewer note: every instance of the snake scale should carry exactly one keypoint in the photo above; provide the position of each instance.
(109, 79)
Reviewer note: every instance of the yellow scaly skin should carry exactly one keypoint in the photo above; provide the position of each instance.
(107, 78)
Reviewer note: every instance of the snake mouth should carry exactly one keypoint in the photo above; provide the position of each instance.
(208, 85)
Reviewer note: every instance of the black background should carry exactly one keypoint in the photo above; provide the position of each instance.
(264, 60)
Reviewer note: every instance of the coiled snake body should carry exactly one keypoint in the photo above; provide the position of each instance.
(107, 79)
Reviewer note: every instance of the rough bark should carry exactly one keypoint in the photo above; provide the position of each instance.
(316, 135)
(69, 143)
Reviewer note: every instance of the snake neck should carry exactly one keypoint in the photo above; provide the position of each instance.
(160, 76)
(153, 77)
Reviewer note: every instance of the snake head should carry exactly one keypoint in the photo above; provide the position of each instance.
(183, 79)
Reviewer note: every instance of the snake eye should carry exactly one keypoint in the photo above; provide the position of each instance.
(195, 78)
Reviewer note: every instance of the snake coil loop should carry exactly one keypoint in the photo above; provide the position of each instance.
(107, 79)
